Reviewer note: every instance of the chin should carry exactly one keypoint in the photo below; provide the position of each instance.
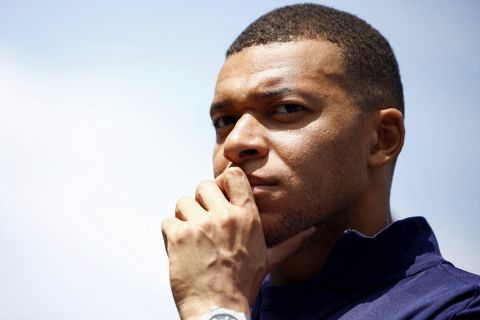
(271, 228)
(278, 227)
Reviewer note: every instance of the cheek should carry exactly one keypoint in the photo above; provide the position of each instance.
(337, 168)
(306, 151)
(321, 160)
(288, 144)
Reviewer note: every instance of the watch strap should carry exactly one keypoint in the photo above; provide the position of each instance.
(219, 313)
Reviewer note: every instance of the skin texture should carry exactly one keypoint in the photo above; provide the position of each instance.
(313, 156)
(216, 247)
(295, 158)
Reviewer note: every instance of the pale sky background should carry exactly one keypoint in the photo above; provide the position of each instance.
(104, 124)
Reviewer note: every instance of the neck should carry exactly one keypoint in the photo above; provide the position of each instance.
(370, 217)
(309, 259)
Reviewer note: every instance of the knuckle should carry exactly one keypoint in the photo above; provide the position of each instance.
(167, 226)
(183, 199)
(246, 202)
(227, 221)
(203, 187)
(164, 227)
(179, 236)
(234, 172)
(205, 226)
(173, 233)
(181, 202)
(251, 219)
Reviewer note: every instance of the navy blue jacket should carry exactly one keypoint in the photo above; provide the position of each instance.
(397, 274)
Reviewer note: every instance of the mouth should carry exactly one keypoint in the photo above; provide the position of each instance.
(259, 184)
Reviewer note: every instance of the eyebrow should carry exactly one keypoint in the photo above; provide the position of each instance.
(268, 94)
(280, 92)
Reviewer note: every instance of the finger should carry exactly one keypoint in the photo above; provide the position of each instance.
(210, 196)
(285, 249)
(169, 225)
(188, 209)
(236, 186)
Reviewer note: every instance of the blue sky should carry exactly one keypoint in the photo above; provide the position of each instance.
(104, 124)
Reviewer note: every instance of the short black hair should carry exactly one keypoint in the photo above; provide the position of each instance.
(371, 70)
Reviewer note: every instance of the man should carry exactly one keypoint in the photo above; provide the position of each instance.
(308, 112)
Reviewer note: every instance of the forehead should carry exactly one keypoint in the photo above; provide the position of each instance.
(279, 64)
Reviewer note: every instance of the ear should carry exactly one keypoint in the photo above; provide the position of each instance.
(388, 138)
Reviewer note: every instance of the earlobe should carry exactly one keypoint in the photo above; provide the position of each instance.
(389, 137)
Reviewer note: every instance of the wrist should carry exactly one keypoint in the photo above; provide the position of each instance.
(197, 310)
(219, 313)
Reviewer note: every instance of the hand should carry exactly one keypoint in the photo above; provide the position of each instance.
(216, 247)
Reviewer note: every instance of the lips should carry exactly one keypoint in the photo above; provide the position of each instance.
(260, 182)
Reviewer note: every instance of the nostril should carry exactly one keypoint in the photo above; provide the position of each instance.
(248, 152)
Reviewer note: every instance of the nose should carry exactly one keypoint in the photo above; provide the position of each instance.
(246, 141)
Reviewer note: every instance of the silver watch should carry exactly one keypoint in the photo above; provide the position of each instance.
(218, 313)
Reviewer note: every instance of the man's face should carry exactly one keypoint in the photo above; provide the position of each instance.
(281, 116)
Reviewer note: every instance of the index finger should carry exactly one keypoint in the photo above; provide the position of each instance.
(235, 184)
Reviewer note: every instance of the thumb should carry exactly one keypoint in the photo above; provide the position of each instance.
(286, 248)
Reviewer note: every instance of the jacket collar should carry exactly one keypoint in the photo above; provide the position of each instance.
(358, 262)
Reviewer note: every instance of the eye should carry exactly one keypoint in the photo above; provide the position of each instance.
(288, 108)
(223, 122)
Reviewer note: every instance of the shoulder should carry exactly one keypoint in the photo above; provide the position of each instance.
(446, 291)
(451, 275)
(467, 287)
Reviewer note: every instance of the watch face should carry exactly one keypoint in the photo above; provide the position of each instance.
(223, 316)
